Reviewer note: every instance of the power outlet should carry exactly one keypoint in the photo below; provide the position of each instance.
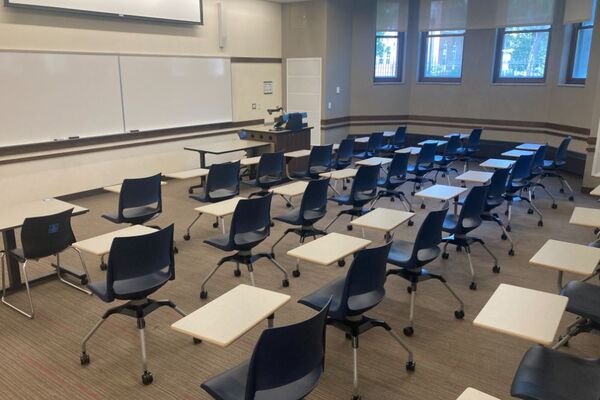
(329, 106)
(254, 106)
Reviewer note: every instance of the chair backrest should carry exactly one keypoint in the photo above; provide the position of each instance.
(223, 176)
(320, 156)
(398, 166)
(430, 232)
(452, 145)
(521, 169)
(271, 165)
(251, 215)
(560, 158)
(364, 285)
(470, 213)
(427, 154)
(346, 150)
(141, 192)
(537, 165)
(243, 134)
(292, 356)
(375, 141)
(498, 184)
(400, 137)
(365, 181)
(474, 138)
(47, 235)
(314, 200)
(138, 257)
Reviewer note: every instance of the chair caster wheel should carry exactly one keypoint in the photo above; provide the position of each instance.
(410, 366)
(341, 263)
(203, 295)
(505, 212)
(458, 249)
(496, 269)
(84, 281)
(295, 273)
(103, 267)
(409, 290)
(392, 199)
(348, 336)
(408, 331)
(411, 223)
(197, 341)
(288, 205)
(511, 253)
(571, 198)
(530, 211)
(412, 193)
(473, 286)
(460, 314)
(285, 283)
(191, 191)
(175, 250)
(540, 223)
(504, 237)
(562, 190)
(237, 273)
(84, 359)
(445, 256)
(356, 398)
(349, 227)
(423, 206)
(554, 206)
(147, 378)
(508, 228)
(272, 224)
(215, 224)
(186, 237)
(533, 196)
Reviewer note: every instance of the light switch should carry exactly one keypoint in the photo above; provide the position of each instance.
(338, 90)
(329, 105)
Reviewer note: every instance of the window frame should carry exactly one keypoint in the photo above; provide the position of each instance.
(423, 58)
(570, 80)
(400, 37)
(498, 57)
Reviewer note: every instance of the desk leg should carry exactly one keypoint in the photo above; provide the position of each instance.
(14, 273)
(560, 281)
(270, 320)
(456, 205)
(202, 165)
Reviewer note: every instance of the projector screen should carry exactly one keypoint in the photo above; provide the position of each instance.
(186, 11)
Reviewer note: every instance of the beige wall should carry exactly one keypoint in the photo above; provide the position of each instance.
(253, 30)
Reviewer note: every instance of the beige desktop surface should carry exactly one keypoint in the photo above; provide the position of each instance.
(328, 249)
(100, 245)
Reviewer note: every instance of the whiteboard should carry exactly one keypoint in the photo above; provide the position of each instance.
(176, 10)
(166, 92)
(49, 96)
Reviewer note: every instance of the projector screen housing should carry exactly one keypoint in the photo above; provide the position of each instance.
(175, 11)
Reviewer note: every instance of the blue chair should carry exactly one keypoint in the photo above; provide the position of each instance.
(140, 201)
(547, 374)
(343, 157)
(361, 290)
(422, 167)
(398, 141)
(138, 266)
(250, 226)
(362, 192)
(319, 161)
(271, 172)
(42, 237)
(396, 177)
(495, 198)
(537, 171)
(374, 146)
(280, 368)
(584, 302)
(443, 163)
(553, 167)
(411, 257)
(313, 208)
(468, 152)
(459, 226)
(518, 181)
(222, 183)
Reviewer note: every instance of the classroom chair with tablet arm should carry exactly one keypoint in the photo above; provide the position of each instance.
(270, 172)
(584, 301)
(535, 176)
(467, 153)
(395, 178)
(319, 161)
(518, 181)
(398, 141)
(422, 167)
(553, 167)
(374, 146)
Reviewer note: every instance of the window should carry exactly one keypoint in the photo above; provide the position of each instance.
(522, 54)
(389, 54)
(441, 56)
(579, 57)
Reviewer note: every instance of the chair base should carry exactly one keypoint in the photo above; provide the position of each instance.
(248, 259)
(138, 309)
(422, 275)
(353, 212)
(304, 232)
(511, 199)
(463, 241)
(393, 194)
(493, 217)
(581, 325)
(563, 182)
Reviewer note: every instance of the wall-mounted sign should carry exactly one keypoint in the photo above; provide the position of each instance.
(268, 87)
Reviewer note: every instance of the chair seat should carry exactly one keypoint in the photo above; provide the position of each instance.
(418, 169)
(267, 182)
(360, 200)
(243, 241)
(450, 223)
(493, 202)
(136, 215)
(342, 164)
(131, 289)
(317, 300)
(546, 374)
(584, 300)
(364, 155)
(319, 169)
(230, 385)
(215, 196)
(291, 218)
(400, 253)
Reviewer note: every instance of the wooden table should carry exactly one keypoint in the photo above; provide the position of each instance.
(497, 163)
(297, 154)
(474, 394)
(383, 219)
(412, 150)
(219, 210)
(248, 162)
(117, 188)
(517, 153)
(231, 315)
(567, 257)
(191, 173)
(12, 218)
(328, 249)
(442, 192)
(524, 313)
(529, 146)
(475, 177)
(433, 141)
(100, 245)
(588, 217)
(347, 173)
(374, 161)
(290, 190)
